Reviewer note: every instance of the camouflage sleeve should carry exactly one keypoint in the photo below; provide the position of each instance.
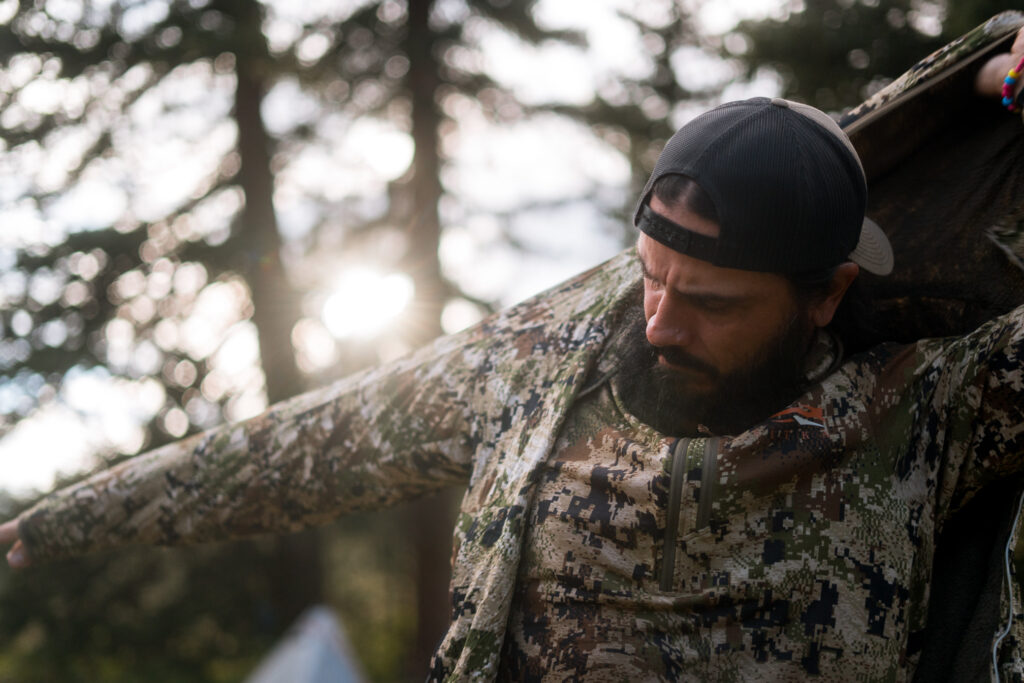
(370, 440)
(970, 429)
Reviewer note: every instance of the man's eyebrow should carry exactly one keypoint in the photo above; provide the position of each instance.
(696, 297)
(712, 298)
(643, 268)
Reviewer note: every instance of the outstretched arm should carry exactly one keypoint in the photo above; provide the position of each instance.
(384, 435)
(371, 440)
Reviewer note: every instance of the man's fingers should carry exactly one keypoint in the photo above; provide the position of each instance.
(990, 78)
(17, 557)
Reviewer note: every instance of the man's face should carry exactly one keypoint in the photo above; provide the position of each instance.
(724, 344)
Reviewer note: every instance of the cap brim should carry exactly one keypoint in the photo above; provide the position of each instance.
(873, 252)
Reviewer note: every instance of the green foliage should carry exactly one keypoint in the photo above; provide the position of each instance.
(148, 614)
(207, 612)
(368, 584)
(69, 284)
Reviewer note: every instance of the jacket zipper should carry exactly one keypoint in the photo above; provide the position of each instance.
(688, 454)
(707, 478)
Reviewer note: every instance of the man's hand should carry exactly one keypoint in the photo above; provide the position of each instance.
(989, 80)
(17, 557)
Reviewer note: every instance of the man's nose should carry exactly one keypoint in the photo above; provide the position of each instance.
(669, 325)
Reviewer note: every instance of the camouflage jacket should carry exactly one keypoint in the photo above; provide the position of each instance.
(484, 407)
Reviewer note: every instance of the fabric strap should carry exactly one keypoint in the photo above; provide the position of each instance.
(676, 237)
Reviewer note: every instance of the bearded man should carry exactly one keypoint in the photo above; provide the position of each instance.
(697, 474)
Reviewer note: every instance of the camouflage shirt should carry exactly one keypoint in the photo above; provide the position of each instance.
(599, 594)
(586, 601)
(801, 547)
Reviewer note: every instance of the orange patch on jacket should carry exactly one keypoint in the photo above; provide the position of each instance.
(802, 415)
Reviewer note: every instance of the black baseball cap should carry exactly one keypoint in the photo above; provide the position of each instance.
(787, 185)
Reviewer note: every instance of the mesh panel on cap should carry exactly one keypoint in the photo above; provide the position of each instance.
(789, 191)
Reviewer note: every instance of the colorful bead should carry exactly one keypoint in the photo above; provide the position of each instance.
(1008, 83)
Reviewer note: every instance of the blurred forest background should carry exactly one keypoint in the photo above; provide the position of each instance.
(207, 206)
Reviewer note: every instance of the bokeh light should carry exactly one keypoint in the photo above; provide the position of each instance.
(365, 301)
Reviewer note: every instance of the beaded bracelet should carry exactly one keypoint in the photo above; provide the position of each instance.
(1009, 82)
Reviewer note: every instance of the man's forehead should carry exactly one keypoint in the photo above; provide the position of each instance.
(687, 274)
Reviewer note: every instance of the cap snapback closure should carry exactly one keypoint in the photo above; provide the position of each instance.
(677, 237)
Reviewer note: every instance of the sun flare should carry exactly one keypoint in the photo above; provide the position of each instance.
(365, 301)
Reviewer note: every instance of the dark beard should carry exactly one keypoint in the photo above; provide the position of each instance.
(666, 400)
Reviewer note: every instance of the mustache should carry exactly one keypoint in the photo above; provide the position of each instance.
(680, 358)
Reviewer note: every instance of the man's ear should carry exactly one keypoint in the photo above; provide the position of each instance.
(822, 310)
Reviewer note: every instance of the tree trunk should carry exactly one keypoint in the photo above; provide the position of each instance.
(275, 303)
(424, 229)
(430, 521)
(296, 573)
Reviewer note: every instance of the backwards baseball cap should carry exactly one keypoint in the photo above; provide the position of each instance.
(787, 185)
